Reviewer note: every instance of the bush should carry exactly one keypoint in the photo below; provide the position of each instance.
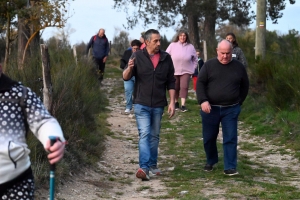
(77, 102)
(120, 43)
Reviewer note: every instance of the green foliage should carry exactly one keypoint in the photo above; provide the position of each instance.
(11, 8)
(164, 42)
(280, 126)
(271, 109)
(120, 42)
(272, 106)
(276, 75)
(182, 147)
(78, 105)
(81, 49)
(2, 48)
(166, 12)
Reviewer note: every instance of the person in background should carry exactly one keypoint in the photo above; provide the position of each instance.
(100, 46)
(222, 87)
(185, 62)
(21, 108)
(142, 39)
(129, 85)
(237, 52)
(154, 74)
(197, 70)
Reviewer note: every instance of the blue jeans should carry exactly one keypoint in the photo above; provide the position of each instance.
(228, 117)
(148, 121)
(129, 87)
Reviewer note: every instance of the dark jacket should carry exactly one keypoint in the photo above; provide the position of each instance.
(100, 46)
(151, 84)
(222, 84)
(238, 54)
(125, 58)
(197, 70)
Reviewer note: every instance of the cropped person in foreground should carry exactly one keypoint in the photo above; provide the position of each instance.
(21, 108)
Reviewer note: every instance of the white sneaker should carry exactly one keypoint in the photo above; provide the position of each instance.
(155, 171)
(127, 111)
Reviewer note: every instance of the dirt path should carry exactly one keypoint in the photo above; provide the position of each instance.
(115, 176)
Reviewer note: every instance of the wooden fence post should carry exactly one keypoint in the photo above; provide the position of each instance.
(204, 51)
(75, 53)
(47, 84)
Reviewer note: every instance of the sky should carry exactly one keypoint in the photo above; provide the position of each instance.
(88, 16)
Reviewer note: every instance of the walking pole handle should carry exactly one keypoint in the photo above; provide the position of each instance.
(52, 171)
(52, 141)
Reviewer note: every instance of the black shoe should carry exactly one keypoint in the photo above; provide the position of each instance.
(208, 168)
(183, 109)
(230, 172)
(176, 106)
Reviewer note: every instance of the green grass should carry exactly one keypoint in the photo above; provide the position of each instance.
(188, 175)
(270, 112)
(141, 188)
(78, 106)
(182, 148)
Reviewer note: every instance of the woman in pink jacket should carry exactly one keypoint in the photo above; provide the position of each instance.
(185, 59)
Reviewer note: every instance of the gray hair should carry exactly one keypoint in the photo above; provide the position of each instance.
(149, 33)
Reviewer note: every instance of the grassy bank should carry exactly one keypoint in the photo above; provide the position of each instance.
(79, 107)
(268, 159)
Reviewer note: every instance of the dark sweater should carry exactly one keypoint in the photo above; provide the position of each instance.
(222, 84)
(125, 58)
(199, 66)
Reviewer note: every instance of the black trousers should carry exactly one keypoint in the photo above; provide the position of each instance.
(21, 187)
(100, 66)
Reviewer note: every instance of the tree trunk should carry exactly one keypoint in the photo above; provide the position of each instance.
(47, 84)
(209, 29)
(193, 23)
(35, 43)
(193, 30)
(7, 42)
(23, 35)
(75, 54)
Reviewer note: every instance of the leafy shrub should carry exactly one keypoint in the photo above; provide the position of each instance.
(77, 103)
(120, 42)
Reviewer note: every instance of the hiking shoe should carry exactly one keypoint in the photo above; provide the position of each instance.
(154, 170)
(143, 174)
(208, 168)
(127, 111)
(176, 106)
(230, 172)
(183, 109)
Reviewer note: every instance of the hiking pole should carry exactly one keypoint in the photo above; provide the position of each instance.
(52, 172)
